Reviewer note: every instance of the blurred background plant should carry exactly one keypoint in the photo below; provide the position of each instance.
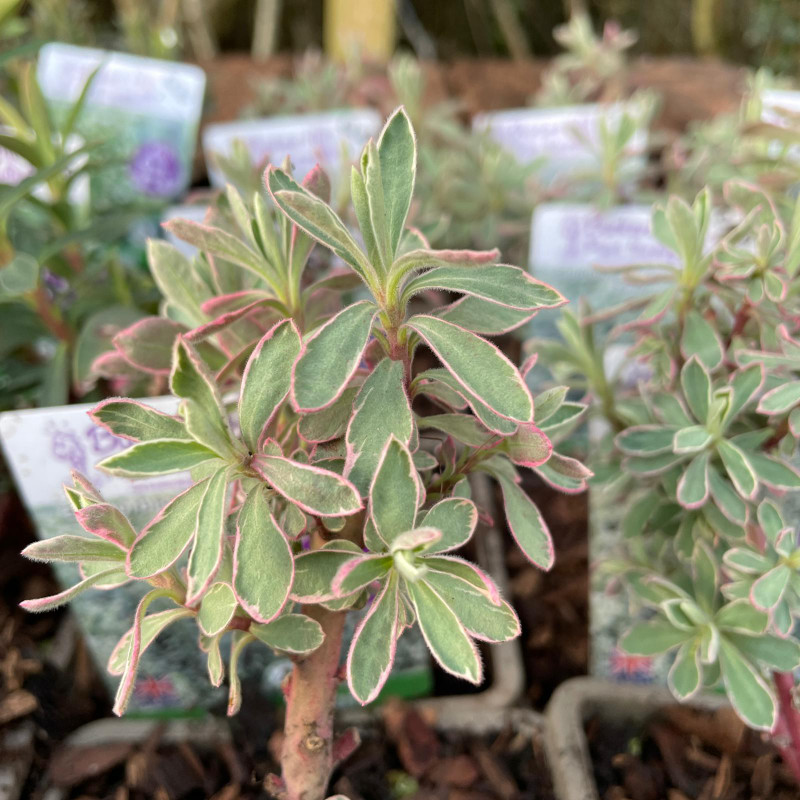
(68, 279)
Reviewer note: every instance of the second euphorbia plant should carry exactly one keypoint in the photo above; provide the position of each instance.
(332, 492)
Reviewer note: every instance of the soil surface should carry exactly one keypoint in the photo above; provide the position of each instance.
(684, 754)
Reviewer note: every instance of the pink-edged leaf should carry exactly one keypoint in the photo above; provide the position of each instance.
(315, 490)
(148, 344)
(528, 447)
(359, 572)
(128, 680)
(136, 421)
(209, 541)
(330, 357)
(163, 540)
(395, 494)
(456, 518)
(263, 566)
(266, 380)
(152, 626)
(466, 571)
(372, 652)
(444, 633)
(507, 286)
(57, 600)
(223, 321)
(693, 487)
(107, 522)
(527, 525)
(478, 366)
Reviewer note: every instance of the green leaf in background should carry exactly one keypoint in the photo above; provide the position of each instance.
(478, 366)
(381, 410)
(775, 473)
(738, 468)
(54, 389)
(653, 638)
(19, 276)
(371, 654)
(768, 590)
(266, 380)
(167, 535)
(693, 487)
(157, 457)
(701, 339)
(696, 385)
(685, 675)
(137, 421)
(646, 440)
(263, 567)
(95, 338)
(330, 356)
(780, 399)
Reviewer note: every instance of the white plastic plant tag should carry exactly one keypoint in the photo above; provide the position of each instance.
(569, 241)
(566, 139)
(325, 138)
(145, 110)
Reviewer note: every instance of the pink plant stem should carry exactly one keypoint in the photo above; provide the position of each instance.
(786, 735)
(308, 757)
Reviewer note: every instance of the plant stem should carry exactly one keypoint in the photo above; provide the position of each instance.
(308, 758)
(787, 732)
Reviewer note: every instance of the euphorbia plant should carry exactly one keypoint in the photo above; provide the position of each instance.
(334, 492)
(702, 423)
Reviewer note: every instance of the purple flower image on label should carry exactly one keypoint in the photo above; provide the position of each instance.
(155, 169)
(65, 446)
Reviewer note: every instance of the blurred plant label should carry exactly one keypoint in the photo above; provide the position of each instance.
(566, 140)
(570, 240)
(778, 104)
(145, 111)
(328, 138)
(41, 447)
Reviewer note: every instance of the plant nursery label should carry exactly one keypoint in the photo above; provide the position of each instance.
(566, 139)
(41, 447)
(144, 110)
(327, 138)
(569, 240)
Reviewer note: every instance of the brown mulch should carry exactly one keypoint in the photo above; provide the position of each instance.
(684, 754)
